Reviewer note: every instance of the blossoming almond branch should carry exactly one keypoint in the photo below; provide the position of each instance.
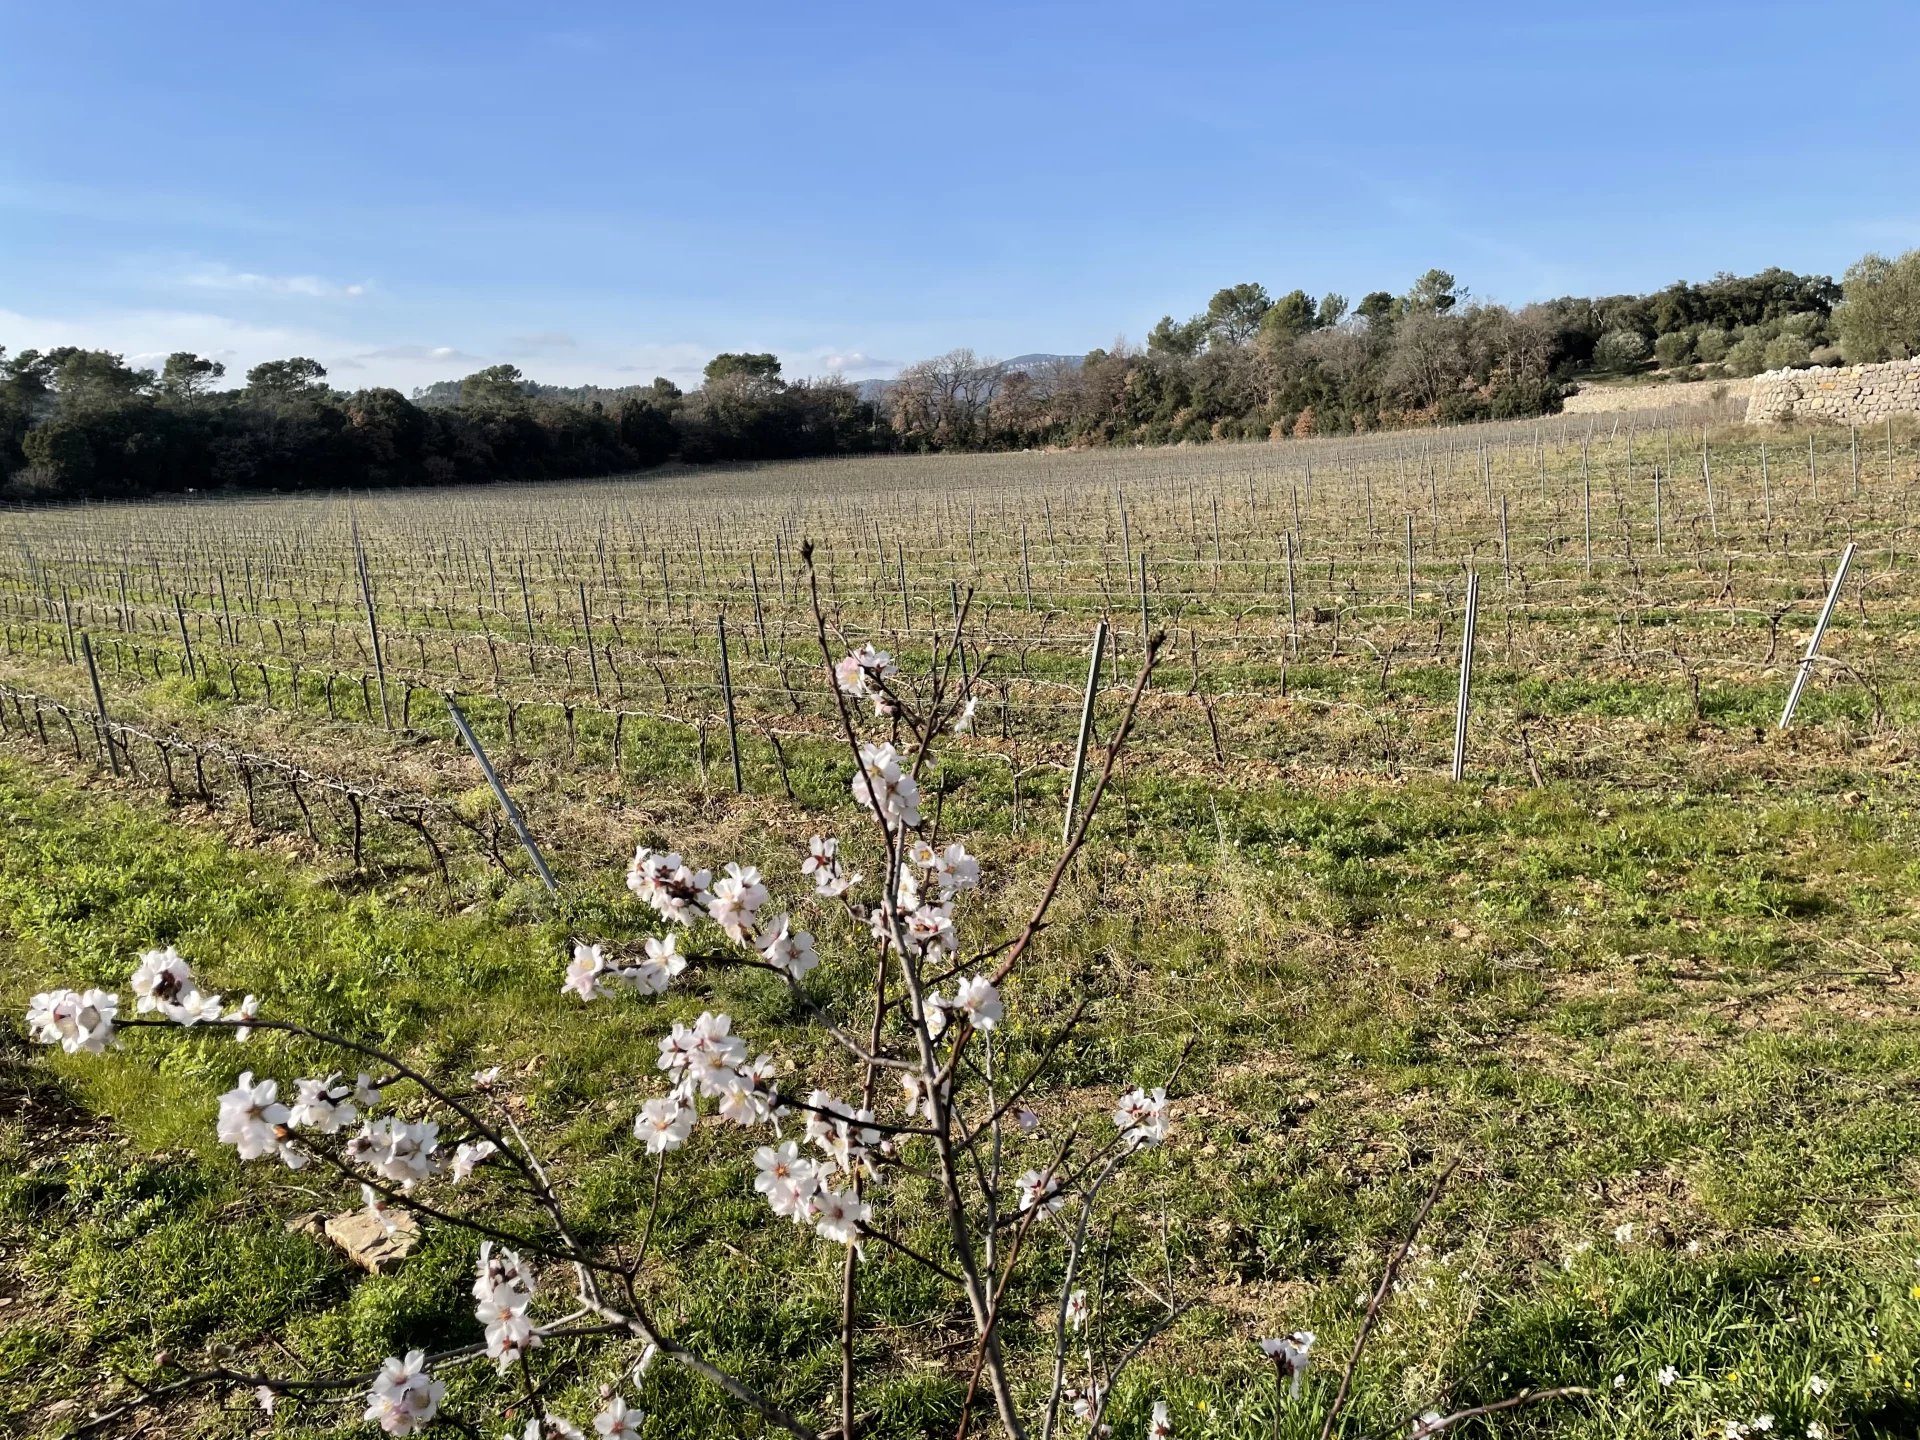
(408, 1141)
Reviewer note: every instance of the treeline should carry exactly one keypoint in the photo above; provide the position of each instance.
(1251, 366)
(82, 423)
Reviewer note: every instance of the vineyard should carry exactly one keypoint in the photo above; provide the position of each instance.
(1647, 588)
(1463, 831)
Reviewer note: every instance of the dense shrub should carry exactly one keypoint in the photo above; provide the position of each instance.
(1674, 350)
(1620, 350)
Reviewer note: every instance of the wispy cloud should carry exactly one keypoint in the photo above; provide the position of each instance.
(439, 354)
(544, 340)
(312, 287)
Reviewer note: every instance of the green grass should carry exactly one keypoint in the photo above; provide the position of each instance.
(1689, 1013)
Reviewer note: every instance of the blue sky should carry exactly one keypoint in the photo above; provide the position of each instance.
(605, 192)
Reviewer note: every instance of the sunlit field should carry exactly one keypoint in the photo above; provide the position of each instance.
(1642, 972)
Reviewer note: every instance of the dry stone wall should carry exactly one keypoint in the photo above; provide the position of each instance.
(1848, 395)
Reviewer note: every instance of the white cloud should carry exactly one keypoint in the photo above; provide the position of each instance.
(312, 287)
(855, 361)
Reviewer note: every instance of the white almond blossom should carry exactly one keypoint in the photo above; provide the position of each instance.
(887, 790)
(980, 1001)
(735, 899)
(618, 1421)
(830, 878)
(252, 1120)
(400, 1151)
(787, 949)
(1037, 1189)
(1291, 1352)
(1161, 1426)
(664, 1124)
(1077, 1308)
(587, 974)
(377, 1207)
(788, 1179)
(1142, 1117)
(404, 1397)
(164, 982)
(864, 674)
(249, 1010)
(1087, 1403)
(839, 1214)
(665, 882)
(75, 1020)
(662, 963)
(955, 870)
(467, 1155)
(323, 1105)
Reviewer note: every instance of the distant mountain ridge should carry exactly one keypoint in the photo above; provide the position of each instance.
(873, 391)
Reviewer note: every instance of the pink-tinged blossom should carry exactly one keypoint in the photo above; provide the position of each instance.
(735, 901)
(618, 1421)
(75, 1020)
(587, 974)
(1142, 1117)
(830, 878)
(404, 1397)
(252, 1120)
(1037, 1189)
(1077, 1308)
(663, 961)
(839, 1214)
(665, 882)
(323, 1105)
(787, 1179)
(887, 790)
(864, 674)
(786, 949)
(664, 1123)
